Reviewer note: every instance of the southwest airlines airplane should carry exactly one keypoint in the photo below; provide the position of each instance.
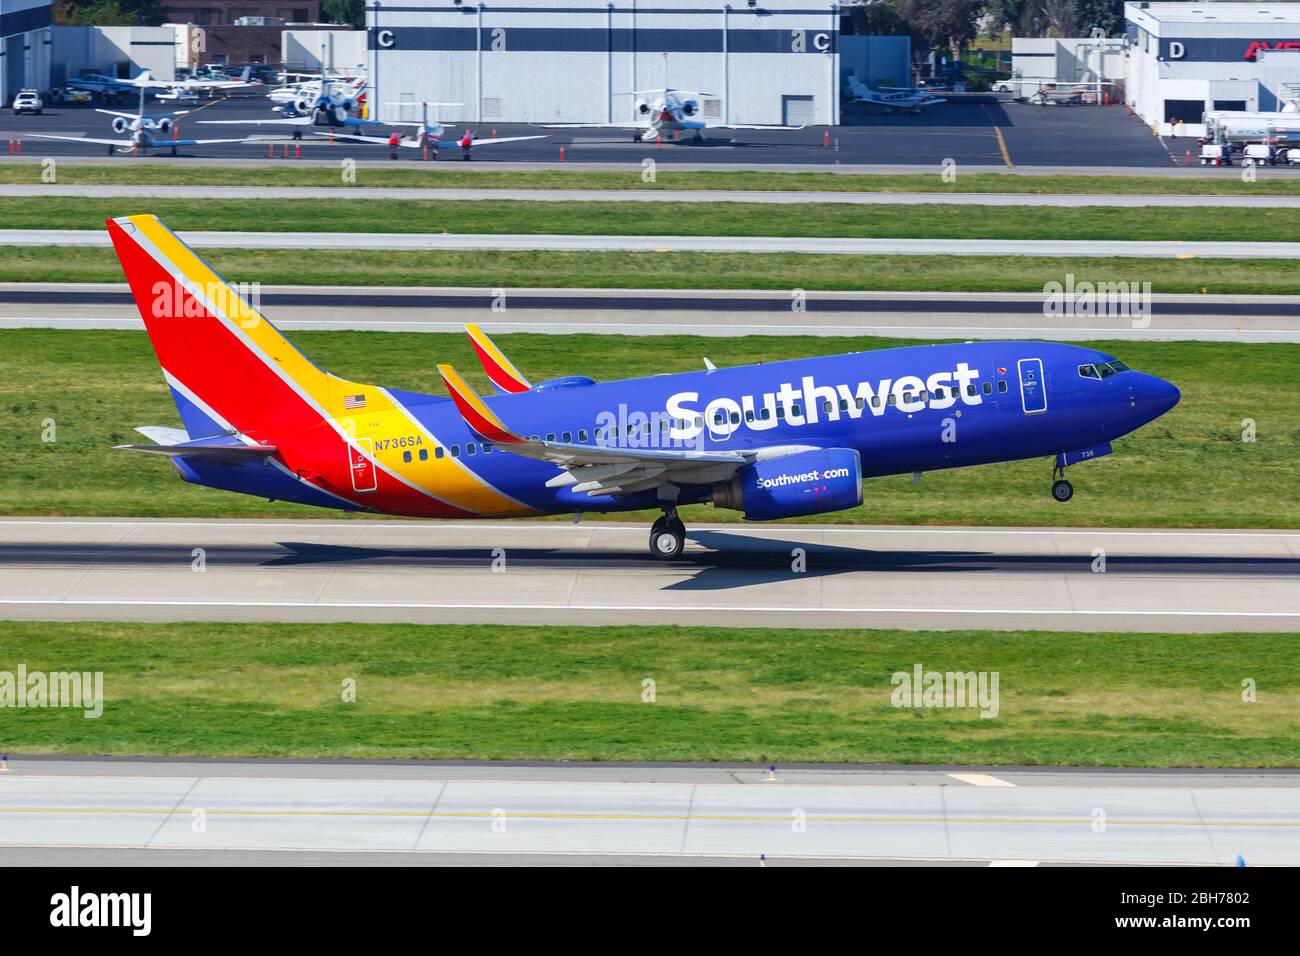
(773, 441)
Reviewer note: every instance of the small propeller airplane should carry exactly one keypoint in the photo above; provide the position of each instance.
(108, 85)
(666, 110)
(773, 441)
(429, 135)
(892, 100)
(145, 131)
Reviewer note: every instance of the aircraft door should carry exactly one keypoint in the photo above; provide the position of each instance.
(361, 464)
(1033, 386)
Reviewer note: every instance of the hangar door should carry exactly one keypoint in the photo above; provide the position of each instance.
(13, 67)
(797, 110)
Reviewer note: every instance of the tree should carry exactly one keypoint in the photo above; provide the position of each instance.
(109, 13)
(344, 11)
(940, 23)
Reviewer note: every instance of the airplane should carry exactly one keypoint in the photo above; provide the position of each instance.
(773, 441)
(329, 104)
(109, 85)
(666, 110)
(147, 131)
(429, 134)
(893, 100)
(205, 86)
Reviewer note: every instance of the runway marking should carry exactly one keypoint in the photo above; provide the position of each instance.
(686, 608)
(981, 780)
(1013, 863)
(665, 817)
(739, 530)
(1002, 143)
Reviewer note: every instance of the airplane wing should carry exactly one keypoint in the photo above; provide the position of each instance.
(595, 469)
(378, 140)
(500, 370)
(164, 143)
(84, 139)
(591, 126)
(746, 126)
(212, 452)
(294, 121)
(507, 139)
(116, 113)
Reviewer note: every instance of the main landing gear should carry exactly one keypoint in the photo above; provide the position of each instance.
(1062, 490)
(667, 536)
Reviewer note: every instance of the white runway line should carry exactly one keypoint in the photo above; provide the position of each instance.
(981, 780)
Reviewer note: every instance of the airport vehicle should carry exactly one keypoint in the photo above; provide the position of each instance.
(28, 101)
(1216, 154)
(144, 132)
(428, 135)
(914, 100)
(773, 441)
(666, 111)
(204, 85)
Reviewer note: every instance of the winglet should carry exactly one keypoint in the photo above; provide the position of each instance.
(500, 370)
(475, 411)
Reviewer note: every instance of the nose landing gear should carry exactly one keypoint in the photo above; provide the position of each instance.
(667, 536)
(1062, 490)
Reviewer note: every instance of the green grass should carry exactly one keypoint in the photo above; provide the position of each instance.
(757, 695)
(677, 270)
(1188, 469)
(661, 219)
(460, 176)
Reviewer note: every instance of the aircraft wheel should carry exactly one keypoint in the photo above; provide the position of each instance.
(667, 538)
(1062, 490)
(698, 138)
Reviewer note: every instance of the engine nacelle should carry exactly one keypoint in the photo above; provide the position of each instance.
(301, 107)
(346, 106)
(805, 483)
(690, 108)
(642, 107)
(165, 125)
(119, 124)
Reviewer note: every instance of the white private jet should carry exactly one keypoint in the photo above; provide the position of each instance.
(328, 103)
(665, 110)
(892, 100)
(429, 134)
(146, 131)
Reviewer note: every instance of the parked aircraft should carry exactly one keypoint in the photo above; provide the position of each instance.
(202, 85)
(773, 441)
(428, 135)
(144, 131)
(893, 100)
(666, 110)
(330, 103)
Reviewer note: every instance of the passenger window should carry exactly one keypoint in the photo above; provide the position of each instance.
(471, 449)
(582, 434)
(844, 404)
(923, 396)
(1002, 386)
(455, 451)
(437, 452)
(749, 415)
(862, 403)
(735, 418)
(424, 454)
(827, 407)
(796, 410)
(988, 388)
(487, 449)
(764, 413)
(875, 401)
(406, 456)
(568, 436)
(550, 436)
(893, 400)
(970, 389)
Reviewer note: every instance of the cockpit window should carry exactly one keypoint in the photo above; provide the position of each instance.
(1105, 370)
(1118, 366)
(1088, 371)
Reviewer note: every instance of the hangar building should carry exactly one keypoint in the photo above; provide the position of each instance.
(580, 61)
(1188, 58)
(24, 46)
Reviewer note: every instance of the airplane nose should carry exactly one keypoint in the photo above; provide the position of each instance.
(1154, 396)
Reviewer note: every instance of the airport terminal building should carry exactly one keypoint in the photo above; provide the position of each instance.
(24, 46)
(1188, 58)
(580, 61)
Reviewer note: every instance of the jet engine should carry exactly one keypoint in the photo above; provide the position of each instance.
(119, 124)
(805, 483)
(165, 125)
(301, 107)
(643, 108)
(690, 108)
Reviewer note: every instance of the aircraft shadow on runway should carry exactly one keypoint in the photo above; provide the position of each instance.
(731, 561)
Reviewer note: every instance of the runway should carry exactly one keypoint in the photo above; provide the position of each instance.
(257, 812)
(772, 197)
(921, 315)
(406, 242)
(600, 572)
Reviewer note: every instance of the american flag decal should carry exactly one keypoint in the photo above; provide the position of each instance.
(354, 401)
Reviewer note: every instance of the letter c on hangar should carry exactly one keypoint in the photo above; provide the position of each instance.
(385, 38)
(821, 42)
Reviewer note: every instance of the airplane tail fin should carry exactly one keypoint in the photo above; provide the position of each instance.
(229, 370)
(500, 370)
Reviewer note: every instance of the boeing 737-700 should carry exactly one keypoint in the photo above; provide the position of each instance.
(777, 440)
